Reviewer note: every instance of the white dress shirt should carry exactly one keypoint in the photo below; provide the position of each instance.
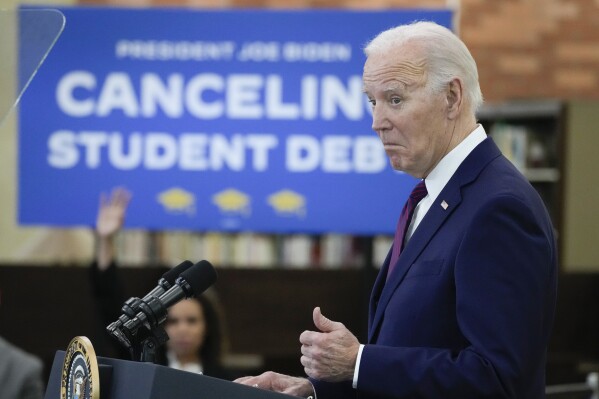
(175, 364)
(435, 182)
(440, 175)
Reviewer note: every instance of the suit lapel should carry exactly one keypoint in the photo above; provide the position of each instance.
(376, 291)
(424, 233)
(434, 219)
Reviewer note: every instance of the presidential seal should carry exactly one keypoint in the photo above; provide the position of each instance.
(80, 376)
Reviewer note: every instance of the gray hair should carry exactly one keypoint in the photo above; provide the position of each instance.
(446, 56)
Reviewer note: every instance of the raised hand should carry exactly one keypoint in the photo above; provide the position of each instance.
(329, 355)
(111, 213)
(111, 216)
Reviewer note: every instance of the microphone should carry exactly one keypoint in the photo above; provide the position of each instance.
(167, 280)
(153, 311)
(132, 305)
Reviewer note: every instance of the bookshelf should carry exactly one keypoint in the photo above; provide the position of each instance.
(250, 250)
(529, 133)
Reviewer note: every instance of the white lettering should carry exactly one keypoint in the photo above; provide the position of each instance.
(164, 50)
(192, 154)
(194, 151)
(243, 97)
(369, 155)
(160, 151)
(223, 152)
(317, 52)
(260, 144)
(335, 154)
(336, 95)
(259, 51)
(155, 94)
(63, 149)
(116, 152)
(117, 94)
(65, 93)
(309, 97)
(93, 143)
(210, 96)
(193, 96)
(303, 153)
(275, 108)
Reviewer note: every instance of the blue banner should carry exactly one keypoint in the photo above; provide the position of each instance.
(214, 120)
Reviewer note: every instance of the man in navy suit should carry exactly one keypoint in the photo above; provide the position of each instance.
(465, 308)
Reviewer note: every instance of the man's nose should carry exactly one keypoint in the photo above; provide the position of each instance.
(380, 122)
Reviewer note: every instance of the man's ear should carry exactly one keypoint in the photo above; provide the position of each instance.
(455, 98)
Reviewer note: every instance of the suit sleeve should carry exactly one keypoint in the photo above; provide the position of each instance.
(333, 390)
(32, 386)
(504, 291)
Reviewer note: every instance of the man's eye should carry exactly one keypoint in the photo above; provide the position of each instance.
(372, 101)
(395, 100)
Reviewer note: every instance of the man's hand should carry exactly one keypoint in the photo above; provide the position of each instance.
(111, 214)
(280, 383)
(329, 355)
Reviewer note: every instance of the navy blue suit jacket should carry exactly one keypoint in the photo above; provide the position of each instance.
(468, 310)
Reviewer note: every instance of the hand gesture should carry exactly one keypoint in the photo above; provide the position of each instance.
(111, 214)
(329, 355)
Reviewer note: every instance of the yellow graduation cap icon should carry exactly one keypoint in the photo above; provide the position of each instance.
(288, 202)
(232, 201)
(177, 200)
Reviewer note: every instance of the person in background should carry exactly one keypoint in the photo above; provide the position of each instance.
(20, 373)
(193, 325)
(464, 303)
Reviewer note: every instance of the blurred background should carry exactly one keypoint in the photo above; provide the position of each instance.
(538, 62)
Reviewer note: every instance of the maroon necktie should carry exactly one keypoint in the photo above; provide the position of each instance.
(417, 194)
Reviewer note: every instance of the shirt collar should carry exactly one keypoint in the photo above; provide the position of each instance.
(174, 363)
(440, 175)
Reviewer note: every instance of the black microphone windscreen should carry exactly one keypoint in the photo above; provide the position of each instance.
(171, 275)
(200, 277)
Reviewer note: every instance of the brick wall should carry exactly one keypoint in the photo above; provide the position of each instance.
(525, 49)
(534, 48)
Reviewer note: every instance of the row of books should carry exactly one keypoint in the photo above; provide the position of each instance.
(251, 250)
(525, 148)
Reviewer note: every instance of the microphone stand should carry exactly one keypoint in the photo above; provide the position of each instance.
(143, 334)
(155, 339)
(144, 343)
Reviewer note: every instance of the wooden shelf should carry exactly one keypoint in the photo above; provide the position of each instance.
(520, 110)
(542, 175)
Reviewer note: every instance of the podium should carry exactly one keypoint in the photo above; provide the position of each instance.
(124, 379)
